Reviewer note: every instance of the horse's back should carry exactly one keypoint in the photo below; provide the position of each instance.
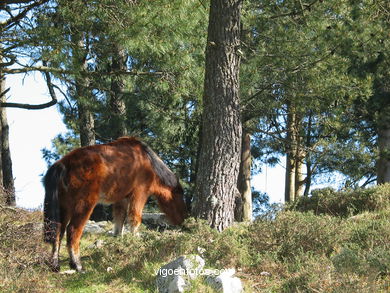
(111, 170)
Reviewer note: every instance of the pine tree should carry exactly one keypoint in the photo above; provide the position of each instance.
(216, 182)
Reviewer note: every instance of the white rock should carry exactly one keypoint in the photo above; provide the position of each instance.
(97, 244)
(178, 284)
(93, 228)
(225, 282)
(174, 277)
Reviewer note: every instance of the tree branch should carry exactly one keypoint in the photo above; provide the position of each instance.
(39, 106)
(29, 106)
(15, 19)
(304, 7)
(89, 73)
(9, 2)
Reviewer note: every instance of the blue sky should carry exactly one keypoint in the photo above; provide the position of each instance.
(33, 130)
(30, 131)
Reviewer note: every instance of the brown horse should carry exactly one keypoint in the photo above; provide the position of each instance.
(124, 172)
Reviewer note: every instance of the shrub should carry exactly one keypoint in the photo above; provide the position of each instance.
(345, 203)
(22, 252)
(293, 233)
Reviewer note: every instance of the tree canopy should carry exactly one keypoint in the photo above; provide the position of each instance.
(314, 81)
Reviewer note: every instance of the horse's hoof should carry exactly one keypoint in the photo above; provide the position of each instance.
(78, 268)
(55, 269)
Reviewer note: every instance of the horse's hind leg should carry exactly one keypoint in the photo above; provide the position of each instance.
(55, 263)
(120, 210)
(75, 230)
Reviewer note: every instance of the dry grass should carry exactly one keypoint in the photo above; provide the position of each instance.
(294, 252)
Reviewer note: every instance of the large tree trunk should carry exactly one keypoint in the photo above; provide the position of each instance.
(86, 121)
(2, 98)
(216, 183)
(244, 180)
(7, 179)
(117, 103)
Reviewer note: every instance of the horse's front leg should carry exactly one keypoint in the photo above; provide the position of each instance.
(136, 206)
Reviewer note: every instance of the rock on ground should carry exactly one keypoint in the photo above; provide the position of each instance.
(174, 277)
(96, 227)
(225, 282)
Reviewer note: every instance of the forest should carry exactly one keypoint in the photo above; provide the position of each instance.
(219, 89)
(312, 84)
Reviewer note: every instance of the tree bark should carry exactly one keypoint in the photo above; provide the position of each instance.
(86, 121)
(309, 171)
(7, 180)
(383, 164)
(219, 161)
(289, 191)
(244, 179)
(117, 103)
(299, 162)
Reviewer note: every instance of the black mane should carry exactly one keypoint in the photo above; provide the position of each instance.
(167, 177)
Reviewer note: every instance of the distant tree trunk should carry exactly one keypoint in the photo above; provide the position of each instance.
(289, 192)
(117, 103)
(219, 161)
(86, 121)
(244, 180)
(7, 180)
(383, 164)
(299, 163)
(86, 125)
(309, 171)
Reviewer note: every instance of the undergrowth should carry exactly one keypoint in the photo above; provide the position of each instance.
(293, 251)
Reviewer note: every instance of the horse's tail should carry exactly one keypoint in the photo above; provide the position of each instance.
(167, 177)
(51, 209)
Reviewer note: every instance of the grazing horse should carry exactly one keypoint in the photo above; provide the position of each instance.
(124, 172)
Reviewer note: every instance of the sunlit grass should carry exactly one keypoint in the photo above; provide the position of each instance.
(294, 252)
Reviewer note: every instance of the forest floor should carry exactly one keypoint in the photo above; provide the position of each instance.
(289, 251)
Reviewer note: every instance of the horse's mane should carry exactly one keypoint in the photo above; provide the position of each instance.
(167, 177)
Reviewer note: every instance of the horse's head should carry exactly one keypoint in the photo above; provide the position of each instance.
(174, 207)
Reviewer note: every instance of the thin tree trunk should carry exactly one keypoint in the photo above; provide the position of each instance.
(117, 103)
(308, 179)
(289, 192)
(299, 161)
(219, 162)
(308, 164)
(299, 177)
(7, 180)
(244, 181)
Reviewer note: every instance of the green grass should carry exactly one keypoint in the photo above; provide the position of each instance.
(297, 251)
